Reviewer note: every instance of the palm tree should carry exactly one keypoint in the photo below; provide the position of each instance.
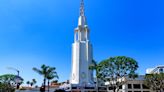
(44, 72)
(33, 82)
(51, 75)
(28, 82)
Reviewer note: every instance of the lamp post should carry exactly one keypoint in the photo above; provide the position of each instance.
(17, 80)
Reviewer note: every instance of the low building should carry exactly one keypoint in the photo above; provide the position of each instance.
(137, 84)
(132, 85)
(157, 69)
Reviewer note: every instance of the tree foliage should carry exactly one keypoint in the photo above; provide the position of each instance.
(47, 72)
(28, 83)
(7, 78)
(34, 81)
(42, 71)
(51, 75)
(8, 82)
(31, 83)
(155, 81)
(115, 70)
(4, 87)
(93, 66)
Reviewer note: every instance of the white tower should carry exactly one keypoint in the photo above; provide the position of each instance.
(81, 52)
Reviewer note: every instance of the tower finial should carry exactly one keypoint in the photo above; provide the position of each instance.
(82, 19)
(82, 8)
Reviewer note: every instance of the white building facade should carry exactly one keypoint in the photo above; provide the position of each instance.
(132, 85)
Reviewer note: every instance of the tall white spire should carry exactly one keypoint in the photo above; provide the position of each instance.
(81, 53)
(82, 20)
(82, 8)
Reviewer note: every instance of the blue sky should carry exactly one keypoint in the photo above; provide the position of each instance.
(35, 32)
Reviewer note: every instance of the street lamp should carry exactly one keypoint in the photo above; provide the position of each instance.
(11, 68)
(17, 80)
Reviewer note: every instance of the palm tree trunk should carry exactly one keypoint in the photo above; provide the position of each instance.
(48, 85)
(44, 84)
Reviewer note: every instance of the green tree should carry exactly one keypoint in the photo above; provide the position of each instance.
(28, 83)
(4, 87)
(51, 75)
(31, 83)
(44, 72)
(47, 72)
(8, 82)
(155, 81)
(115, 70)
(34, 81)
(7, 78)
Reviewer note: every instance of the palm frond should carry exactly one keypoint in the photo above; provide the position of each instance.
(38, 71)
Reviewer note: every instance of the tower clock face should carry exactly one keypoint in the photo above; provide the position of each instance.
(83, 75)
